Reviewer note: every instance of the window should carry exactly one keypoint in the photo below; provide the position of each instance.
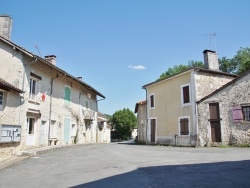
(73, 130)
(246, 113)
(152, 102)
(87, 104)
(67, 96)
(185, 94)
(53, 129)
(34, 84)
(32, 88)
(184, 126)
(1, 100)
(241, 113)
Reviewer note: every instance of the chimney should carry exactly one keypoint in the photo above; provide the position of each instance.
(79, 78)
(211, 60)
(51, 59)
(5, 26)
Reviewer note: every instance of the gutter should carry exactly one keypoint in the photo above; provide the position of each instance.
(146, 115)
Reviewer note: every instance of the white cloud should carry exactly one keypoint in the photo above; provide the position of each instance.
(137, 67)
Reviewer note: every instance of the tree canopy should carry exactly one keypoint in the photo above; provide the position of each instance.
(180, 68)
(239, 64)
(124, 121)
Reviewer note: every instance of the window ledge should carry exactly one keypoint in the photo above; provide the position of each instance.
(33, 101)
(186, 104)
(184, 136)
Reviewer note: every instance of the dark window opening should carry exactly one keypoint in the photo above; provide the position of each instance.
(186, 97)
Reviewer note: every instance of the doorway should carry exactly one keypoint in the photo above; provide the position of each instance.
(153, 127)
(30, 141)
(215, 122)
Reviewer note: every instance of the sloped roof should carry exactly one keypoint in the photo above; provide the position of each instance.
(188, 70)
(23, 50)
(139, 103)
(224, 86)
(7, 86)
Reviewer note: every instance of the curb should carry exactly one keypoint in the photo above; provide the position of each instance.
(11, 161)
(25, 154)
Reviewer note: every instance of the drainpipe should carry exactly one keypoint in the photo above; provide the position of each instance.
(50, 104)
(197, 127)
(146, 116)
(24, 71)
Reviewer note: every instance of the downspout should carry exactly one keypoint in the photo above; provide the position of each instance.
(50, 104)
(197, 131)
(146, 116)
(24, 71)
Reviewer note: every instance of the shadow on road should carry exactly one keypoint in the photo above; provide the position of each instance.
(221, 174)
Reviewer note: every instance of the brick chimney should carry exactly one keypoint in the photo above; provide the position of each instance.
(51, 59)
(211, 60)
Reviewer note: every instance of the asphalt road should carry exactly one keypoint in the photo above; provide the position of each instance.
(126, 165)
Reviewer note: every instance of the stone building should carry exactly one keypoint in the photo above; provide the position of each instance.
(224, 115)
(171, 102)
(104, 129)
(140, 109)
(50, 105)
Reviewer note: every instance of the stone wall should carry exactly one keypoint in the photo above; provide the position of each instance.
(7, 149)
(235, 94)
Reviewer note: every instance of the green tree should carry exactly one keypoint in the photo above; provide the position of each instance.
(124, 121)
(239, 64)
(242, 59)
(180, 68)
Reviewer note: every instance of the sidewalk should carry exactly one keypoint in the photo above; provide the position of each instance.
(24, 154)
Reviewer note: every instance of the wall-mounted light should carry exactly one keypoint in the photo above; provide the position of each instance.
(88, 95)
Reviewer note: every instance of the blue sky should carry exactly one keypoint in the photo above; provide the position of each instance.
(118, 46)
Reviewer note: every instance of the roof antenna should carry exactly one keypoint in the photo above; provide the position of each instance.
(38, 50)
(212, 39)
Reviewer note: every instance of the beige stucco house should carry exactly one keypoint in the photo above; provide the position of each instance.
(50, 105)
(224, 115)
(171, 103)
(140, 110)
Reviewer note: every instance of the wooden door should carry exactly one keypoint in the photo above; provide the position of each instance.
(215, 122)
(153, 126)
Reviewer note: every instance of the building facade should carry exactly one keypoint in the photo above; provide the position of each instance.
(171, 102)
(54, 107)
(224, 115)
(140, 109)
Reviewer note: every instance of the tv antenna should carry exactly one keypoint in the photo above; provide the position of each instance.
(36, 46)
(212, 40)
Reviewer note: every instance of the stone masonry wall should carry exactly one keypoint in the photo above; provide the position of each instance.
(232, 133)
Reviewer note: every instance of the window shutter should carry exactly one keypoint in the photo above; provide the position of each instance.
(237, 114)
(186, 94)
(184, 126)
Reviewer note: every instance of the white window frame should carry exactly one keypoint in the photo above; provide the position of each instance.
(179, 124)
(182, 95)
(151, 107)
(73, 129)
(34, 126)
(1, 105)
(53, 129)
(31, 85)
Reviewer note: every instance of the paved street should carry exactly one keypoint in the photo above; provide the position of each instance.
(126, 165)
